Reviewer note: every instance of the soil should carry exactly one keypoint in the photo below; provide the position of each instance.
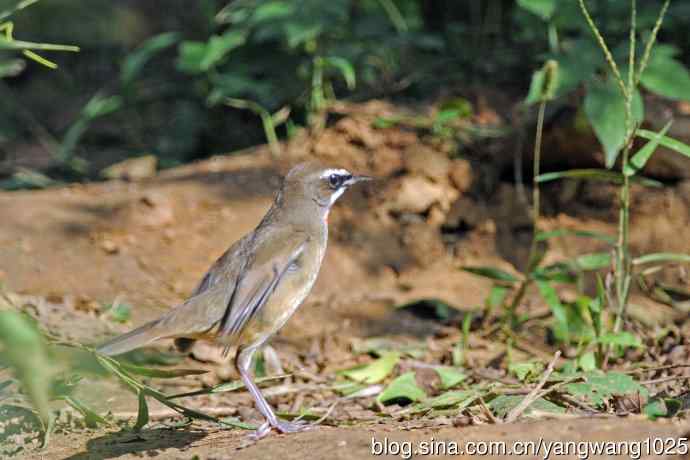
(66, 252)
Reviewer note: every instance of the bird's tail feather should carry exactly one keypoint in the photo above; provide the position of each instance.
(133, 339)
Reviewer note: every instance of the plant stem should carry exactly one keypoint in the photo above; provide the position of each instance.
(622, 250)
(650, 42)
(605, 49)
(533, 259)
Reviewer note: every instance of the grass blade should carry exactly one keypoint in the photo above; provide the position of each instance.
(603, 175)
(228, 386)
(143, 412)
(668, 142)
(492, 273)
(559, 312)
(639, 160)
(661, 257)
(543, 236)
(160, 373)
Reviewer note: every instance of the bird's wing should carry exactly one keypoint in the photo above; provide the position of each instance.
(220, 271)
(265, 268)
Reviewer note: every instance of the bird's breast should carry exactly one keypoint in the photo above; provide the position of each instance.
(292, 290)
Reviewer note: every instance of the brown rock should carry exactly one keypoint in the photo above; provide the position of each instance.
(360, 131)
(423, 161)
(386, 162)
(423, 243)
(460, 173)
(416, 194)
(132, 169)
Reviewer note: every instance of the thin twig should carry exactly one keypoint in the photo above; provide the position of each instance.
(656, 368)
(492, 418)
(665, 379)
(534, 394)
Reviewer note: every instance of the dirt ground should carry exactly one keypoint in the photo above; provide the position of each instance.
(147, 243)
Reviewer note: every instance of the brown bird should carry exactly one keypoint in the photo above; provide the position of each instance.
(252, 290)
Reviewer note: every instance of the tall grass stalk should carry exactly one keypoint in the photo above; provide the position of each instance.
(548, 80)
(622, 264)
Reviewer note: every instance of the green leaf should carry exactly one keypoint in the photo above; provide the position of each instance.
(667, 77)
(662, 407)
(595, 174)
(142, 413)
(270, 11)
(237, 423)
(594, 261)
(587, 362)
(24, 351)
(544, 83)
(543, 236)
(643, 155)
(91, 418)
(375, 371)
(135, 61)
(621, 339)
(160, 373)
(526, 369)
(100, 106)
(661, 257)
(559, 312)
(559, 272)
(220, 45)
(542, 8)
(605, 109)
(599, 387)
(450, 399)
(120, 312)
(667, 142)
(190, 54)
(346, 69)
(403, 388)
(503, 404)
(492, 273)
(450, 376)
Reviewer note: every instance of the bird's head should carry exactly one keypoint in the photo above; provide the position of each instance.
(319, 184)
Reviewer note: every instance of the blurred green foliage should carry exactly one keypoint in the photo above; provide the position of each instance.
(156, 77)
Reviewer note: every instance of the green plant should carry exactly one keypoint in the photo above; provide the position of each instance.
(9, 43)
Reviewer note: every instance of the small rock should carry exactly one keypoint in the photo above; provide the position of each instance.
(416, 194)
(132, 169)
(386, 162)
(423, 243)
(460, 174)
(423, 161)
(360, 132)
(110, 247)
(463, 420)
(86, 304)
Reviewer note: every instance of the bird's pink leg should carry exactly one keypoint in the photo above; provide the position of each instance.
(243, 362)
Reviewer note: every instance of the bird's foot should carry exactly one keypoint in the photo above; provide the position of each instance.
(292, 427)
(260, 432)
(281, 426)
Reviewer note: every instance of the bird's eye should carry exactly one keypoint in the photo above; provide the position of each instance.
(335, 181)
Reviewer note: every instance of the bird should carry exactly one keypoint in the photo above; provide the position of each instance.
(252, 290)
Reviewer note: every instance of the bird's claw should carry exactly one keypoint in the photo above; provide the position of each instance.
(281, 426)
(292, 427)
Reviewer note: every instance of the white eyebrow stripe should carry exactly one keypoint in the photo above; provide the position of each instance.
(340, 172)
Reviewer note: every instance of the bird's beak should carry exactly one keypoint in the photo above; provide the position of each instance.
(356, 179)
